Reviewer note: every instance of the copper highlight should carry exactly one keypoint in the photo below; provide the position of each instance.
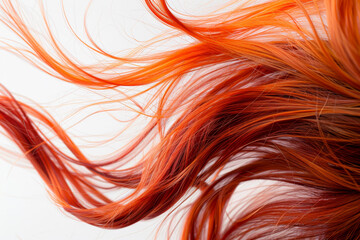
(266, 91)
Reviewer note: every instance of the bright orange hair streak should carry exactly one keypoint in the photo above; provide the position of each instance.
(268, 91)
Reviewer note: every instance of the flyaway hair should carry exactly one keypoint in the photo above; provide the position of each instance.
(265, 91)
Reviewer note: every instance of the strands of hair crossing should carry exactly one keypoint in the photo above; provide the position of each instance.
(272, 93)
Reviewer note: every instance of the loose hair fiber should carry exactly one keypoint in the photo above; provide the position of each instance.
(265, 92)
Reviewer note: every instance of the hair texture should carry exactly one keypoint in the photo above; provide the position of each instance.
(264, 91)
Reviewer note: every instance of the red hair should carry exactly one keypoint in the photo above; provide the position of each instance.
(268, 91)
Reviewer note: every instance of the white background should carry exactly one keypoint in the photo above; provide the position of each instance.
(26, 210)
